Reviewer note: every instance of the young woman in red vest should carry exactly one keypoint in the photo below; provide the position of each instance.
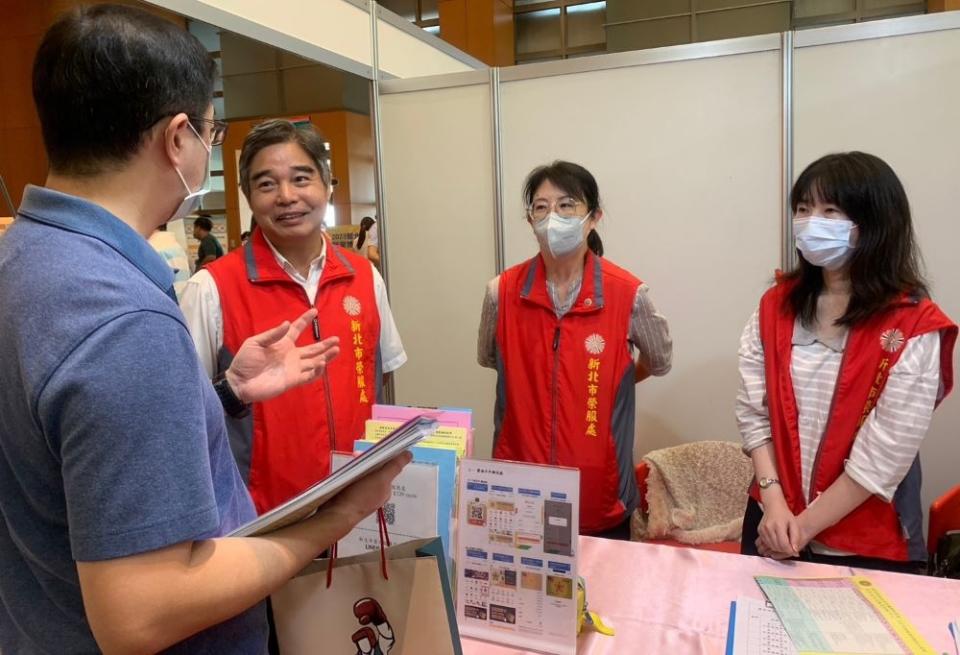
(841, 368)
(569, 334)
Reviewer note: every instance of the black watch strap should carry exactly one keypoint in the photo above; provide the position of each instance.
(232, 404)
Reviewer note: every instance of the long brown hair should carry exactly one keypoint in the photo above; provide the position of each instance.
(365, 224)
(886, 262)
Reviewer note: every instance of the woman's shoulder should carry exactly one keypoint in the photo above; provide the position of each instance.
(618, 275)
(781, 284)
(928, 312)
(493, 287)
(517, 270)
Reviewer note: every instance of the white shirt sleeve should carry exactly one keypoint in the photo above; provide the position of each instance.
(753, 417)
(392, 353)
(200, 304)
(890, 438)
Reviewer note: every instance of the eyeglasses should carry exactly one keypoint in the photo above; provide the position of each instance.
(218, 129)
(566, 207)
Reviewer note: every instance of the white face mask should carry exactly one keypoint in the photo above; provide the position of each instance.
(825, 242)
(191, 203)
(560, 235)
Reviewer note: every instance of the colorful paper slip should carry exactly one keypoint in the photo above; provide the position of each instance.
(445, 436)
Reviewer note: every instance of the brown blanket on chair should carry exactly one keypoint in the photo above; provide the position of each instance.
(696, 493)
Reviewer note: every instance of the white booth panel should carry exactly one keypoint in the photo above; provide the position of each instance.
(897, 98)
(687, 156)
(332, 32)
(437, 162)
(404, 56)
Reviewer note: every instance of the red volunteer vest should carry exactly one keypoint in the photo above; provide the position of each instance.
(873, 348)
(566, 389)
(291, 436)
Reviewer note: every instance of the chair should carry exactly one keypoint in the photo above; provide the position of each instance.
(643, 469)
(944, 517)
(642, 472)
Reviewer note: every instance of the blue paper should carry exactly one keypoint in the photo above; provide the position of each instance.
(731, 627)
(446, 463)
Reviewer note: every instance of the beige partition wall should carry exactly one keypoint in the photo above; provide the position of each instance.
(687, 156)
(332, 32)
(867, 88)
(690, 146)
(437, 163)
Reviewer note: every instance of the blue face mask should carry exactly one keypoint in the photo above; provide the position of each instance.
(561, 236)
(825, 242)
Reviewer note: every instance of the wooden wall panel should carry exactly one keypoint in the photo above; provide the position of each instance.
(481, 28)
(22, 158)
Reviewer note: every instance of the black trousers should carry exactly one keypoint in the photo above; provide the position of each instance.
(620, 532)
(748, 546)
(273, 648)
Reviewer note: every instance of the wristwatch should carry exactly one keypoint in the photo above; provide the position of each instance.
(232, 404)
(766, 483)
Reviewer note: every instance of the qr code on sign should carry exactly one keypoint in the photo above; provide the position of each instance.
(390, 513)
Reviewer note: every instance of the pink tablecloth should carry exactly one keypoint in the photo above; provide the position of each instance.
(663, 599)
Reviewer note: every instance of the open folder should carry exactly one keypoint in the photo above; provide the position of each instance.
(306, 504)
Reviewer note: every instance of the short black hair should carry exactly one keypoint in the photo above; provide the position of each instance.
(105, 74)
(886, 262)
(573, 179)
(204, 223)
(274, 131)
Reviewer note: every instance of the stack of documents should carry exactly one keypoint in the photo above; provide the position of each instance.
(455, 430)
(821, 616)
(307, 503)
(755, 629)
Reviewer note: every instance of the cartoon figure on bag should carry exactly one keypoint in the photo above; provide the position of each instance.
(370, 641)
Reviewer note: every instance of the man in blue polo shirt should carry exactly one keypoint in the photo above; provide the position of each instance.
(117, 482)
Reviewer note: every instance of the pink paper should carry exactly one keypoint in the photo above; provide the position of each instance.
(447, 417)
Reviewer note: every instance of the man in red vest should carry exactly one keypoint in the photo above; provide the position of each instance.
(287, 266)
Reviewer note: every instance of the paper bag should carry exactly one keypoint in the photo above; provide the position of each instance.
(410, 613)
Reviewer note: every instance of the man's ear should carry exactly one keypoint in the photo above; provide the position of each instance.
(173, 136)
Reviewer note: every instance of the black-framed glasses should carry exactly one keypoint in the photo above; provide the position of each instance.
(218, 129)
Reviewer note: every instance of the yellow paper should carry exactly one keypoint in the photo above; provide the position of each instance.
(446, 437)
(900, 624)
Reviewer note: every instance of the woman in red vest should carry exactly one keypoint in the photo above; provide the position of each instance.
(841, 368)
(569, 334)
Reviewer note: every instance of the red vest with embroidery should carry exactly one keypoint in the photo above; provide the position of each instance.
(291, 433)
(566, 388)
(873, 348)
